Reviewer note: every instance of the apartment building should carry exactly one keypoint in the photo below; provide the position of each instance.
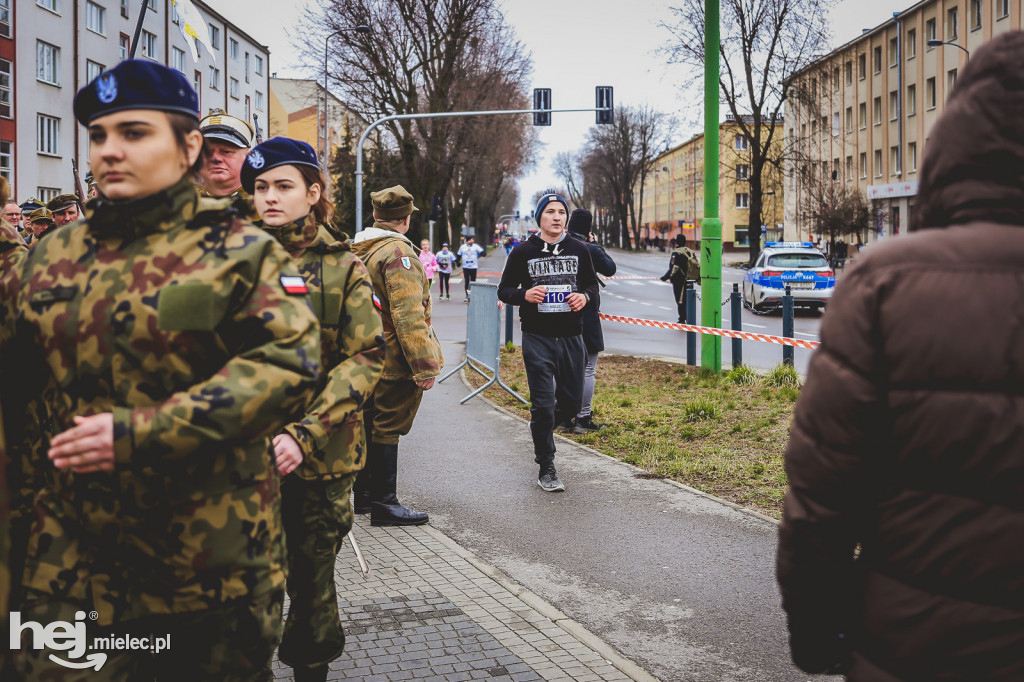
(296, 106)
(862, 114)
(673, 197)
(60, 45)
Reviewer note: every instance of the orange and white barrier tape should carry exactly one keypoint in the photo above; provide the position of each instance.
(626, 277)
(748, 336)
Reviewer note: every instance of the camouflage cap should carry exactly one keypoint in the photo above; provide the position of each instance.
(62, 201)
(393, 203)
(40, 215)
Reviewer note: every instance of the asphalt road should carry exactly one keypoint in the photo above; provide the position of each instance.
(647, 297)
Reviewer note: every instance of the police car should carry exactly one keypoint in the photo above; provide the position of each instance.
(811, 281)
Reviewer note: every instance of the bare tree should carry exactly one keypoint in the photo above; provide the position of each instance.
(423, 56)
(763, 43)
(567, 168)
(835, 210)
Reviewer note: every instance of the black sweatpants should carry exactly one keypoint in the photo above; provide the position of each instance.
(468, 277)
(554, 372)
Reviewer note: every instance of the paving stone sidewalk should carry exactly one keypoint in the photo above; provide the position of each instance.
(431, 610)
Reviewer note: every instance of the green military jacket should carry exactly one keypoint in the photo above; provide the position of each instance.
(351, 349)
(171, 313)
(412, 348)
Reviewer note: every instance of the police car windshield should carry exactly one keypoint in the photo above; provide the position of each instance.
(797, 260)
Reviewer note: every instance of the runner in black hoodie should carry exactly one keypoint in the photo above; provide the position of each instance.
(551, 278)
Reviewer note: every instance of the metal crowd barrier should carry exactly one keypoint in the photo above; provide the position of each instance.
(483, 338)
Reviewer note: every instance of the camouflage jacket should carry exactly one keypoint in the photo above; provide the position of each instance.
(171, 313)
(412, 348)
(351, 349)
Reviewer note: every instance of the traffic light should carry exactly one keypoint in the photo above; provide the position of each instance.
(435, 207)
(517, 214)
(542, 100)
(605, 100)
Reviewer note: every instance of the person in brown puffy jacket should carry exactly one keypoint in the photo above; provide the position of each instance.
(900, 551)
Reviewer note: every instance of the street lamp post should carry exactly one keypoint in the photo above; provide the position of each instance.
(935, 42)
(663, 169)
(327, 40)
(775, 222)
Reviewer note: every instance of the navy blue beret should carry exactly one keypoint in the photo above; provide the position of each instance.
(136, 84)
(277, 151)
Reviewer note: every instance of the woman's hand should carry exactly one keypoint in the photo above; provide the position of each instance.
(287, 453)
(86, 447)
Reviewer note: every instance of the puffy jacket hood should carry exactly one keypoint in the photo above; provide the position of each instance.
(973, 169)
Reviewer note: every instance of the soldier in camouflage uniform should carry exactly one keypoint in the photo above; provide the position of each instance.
(319, 455)
(413, 356)
(163, 351)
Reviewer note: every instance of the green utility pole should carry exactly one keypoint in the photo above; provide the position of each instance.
(711, 228)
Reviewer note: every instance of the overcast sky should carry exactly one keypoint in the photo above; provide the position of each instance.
(576, 45)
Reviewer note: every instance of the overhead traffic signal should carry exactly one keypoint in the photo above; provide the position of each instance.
(605, 101)
(435, 207)
(542, 100)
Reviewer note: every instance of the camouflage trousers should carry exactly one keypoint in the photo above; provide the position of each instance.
(231, 642)
(317, 515)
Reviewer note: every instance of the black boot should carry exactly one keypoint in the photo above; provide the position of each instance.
(317, 674)
(361, 491)
(385, 509)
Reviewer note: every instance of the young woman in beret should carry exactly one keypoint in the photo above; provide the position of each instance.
(320, 454)
(157, 352)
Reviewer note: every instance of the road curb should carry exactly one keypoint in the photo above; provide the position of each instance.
(638, 470)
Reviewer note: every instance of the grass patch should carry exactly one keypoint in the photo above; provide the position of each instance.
(719, 433)
(744, 375)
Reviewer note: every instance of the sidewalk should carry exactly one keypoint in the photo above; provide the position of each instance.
(431, 610)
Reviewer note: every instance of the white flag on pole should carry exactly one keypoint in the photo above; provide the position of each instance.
(193, 27)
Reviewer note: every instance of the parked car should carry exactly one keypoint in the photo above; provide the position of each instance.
(810, 278)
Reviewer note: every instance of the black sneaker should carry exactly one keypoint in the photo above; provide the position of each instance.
(549, 481)
(588, 425)
(568, 426)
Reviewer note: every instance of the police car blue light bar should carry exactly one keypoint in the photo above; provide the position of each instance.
(789, 245)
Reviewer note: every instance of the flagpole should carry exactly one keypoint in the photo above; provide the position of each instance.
(138, 29)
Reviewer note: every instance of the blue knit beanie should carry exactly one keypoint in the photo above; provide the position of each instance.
(544, 201)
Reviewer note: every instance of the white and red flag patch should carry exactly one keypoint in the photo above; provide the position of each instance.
(294, 285)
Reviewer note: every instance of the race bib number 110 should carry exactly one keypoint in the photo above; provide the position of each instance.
(555, 296)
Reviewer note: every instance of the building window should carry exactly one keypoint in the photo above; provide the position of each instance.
(835, 169)
(742, 200)
(124, 8)
(929, 30)
(894, 100)
(246, 67)
(259, 101)
(894, 51)
(878, 163)
(894, 160)
(742, 171)
(862, 68)
(233, 48)
(47, 135)
(911, 100)
(929, 93)
(44, 194)
(259, 65)
(6, 87)
(951, 21)
(92, 70)
(47, 63)
(849, 168)
(848, 70)
(215, 78)
(149, 45)
(862, 115)
(911, 43)
(835, 124)
(5, 18)
(248, 108)
(877, 109)
(742, 143)
(740, 237)
(7, 160)
(1004, 8)
(215, 36)
(96, 18)
(876, 59)
(175, 19)
(975, 14)
(849, 119)
(950, 81)
(151, 4)
(197, 85)
(48, 4)
(814, 127)
(863, 163)
(233, 87)
(835, 78)
(122, 46)
(912, 155)
(178, 59)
